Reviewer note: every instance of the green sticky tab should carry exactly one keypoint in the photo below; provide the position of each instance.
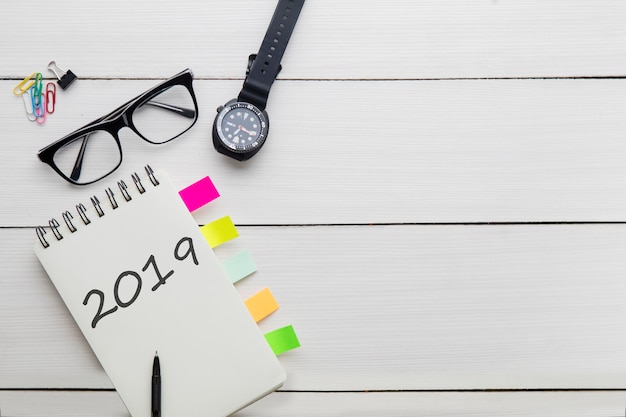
(282, 340)
(239, 266)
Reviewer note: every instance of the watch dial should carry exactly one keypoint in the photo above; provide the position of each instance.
(241, 126)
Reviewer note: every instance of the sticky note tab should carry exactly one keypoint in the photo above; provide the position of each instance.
(220, 231)
(283, 339)
(239, 266)
(261, 304)
(199, 193)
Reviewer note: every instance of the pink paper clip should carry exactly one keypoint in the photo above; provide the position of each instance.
(41, 119)
(51, 97)
(38, 108)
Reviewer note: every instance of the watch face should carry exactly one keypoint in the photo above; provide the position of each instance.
(241, 127)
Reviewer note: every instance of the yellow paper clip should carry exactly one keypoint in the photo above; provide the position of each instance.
(24, 85)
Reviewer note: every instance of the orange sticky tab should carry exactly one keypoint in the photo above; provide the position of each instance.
(261, 304)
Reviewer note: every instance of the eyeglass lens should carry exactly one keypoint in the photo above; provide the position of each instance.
(88, 158)
(160, 118)
(166, 115)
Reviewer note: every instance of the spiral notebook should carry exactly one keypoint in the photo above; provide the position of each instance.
(138, 277)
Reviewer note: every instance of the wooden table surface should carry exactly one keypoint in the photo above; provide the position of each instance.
(440, 208)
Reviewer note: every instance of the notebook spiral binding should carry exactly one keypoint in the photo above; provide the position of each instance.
(68, 218)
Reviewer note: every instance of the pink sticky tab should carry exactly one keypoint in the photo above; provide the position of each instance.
(199, 193)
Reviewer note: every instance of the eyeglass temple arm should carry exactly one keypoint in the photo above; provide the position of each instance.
(78, 165)
(183, 111)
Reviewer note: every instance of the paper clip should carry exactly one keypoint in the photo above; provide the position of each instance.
(28, 103)
(24, 85)
(38, 84)
(51, 97)
(35, 93)
(38, 107)
(41, 119)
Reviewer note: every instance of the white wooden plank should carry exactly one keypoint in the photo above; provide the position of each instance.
(363, 152)
(349, 39)
(384, 308)
(378, 404)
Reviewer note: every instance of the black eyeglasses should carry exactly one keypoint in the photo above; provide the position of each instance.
(159, 115)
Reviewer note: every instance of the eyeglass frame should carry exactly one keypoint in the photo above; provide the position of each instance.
(118, 119)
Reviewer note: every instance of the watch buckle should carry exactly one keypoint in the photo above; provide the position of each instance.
(251, 59)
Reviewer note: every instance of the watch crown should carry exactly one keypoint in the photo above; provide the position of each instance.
(220, 108)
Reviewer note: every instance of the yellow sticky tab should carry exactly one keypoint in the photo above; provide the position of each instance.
(261, 304)
(220, 231)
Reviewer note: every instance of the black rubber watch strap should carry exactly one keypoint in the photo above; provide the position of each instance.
(266, 65)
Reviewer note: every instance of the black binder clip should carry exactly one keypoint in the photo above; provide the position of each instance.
(65, 77)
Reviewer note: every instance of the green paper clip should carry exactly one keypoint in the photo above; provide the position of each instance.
(38, 89)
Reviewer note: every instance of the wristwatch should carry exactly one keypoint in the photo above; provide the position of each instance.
(241, 125)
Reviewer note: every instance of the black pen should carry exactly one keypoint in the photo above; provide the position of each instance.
(156, 386)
